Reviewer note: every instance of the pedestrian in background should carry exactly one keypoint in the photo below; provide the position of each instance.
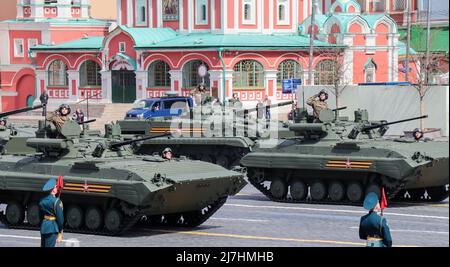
(44, 101)
(78, 116)
(268, 103)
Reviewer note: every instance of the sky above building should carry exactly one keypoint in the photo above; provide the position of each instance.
(101, 9)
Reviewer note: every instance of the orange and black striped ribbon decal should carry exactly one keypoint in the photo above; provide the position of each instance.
(92, 188)
(348, 164)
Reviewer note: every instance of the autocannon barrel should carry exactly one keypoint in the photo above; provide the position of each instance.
(22, 110)
(337, 109)
(115, 145)
(282, 104)
(368, 128)
(86, 122)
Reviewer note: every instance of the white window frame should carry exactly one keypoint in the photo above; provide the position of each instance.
(287, 10)
(32, 42)
(252, 20)
(373, 70)
(199, 12)
(17, 43)
(138, 12)
(122, 47)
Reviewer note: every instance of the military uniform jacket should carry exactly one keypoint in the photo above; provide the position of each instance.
(58, 120)
(317, 105)
(373, 225)
(53, 207)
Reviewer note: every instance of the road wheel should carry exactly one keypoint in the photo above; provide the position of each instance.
(278, 188)
(33, 215)
(15, 213)
(94, 218)
(336, 191)
(298, 190)
(74, 217)
(113, 219)
(437, 194)
(318, 191)
(223, 161)
(355, 192)
(375, 189)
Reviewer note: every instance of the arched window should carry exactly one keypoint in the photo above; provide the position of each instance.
(90, 74)
(289, 69)
(57, 74)
(158, 75)
(249, 11)
(191, 76)
(283, 7)
(248, 74)
(370, 69)
(326, 72)
(141, 12)
(202, 12)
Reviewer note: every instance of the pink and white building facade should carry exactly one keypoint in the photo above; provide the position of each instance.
(157, 46)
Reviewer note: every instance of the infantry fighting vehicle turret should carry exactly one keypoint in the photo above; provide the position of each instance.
(208, 133)
(338, 161)
(107, 189)
(11, 139)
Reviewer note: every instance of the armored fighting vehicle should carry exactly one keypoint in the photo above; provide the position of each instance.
(11, 138)
(108, 189)
(208, 133)
(336, 161)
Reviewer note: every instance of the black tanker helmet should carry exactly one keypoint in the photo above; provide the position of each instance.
(167, 150)
(325, 93)
(3, 120)
(417, 130)
(64, 106)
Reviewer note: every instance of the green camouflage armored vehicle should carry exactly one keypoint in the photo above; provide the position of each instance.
(108, 189)
(338, 161)
(12, 140)
(208, 133)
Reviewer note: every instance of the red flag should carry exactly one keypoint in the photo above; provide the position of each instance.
(60, 184)
(384, 203)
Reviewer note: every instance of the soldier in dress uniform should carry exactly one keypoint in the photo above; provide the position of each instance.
(318, 103)
(51, 209)
(373, 227)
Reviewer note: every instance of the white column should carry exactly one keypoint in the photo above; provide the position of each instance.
(130, 16)
(217, 75)
(141, 83)
(224, 15)
(106, 86)
(159, 12)
(191, 10)
(37, 8)
(212, 8)
(181, 15)
(85, 9)
(64, 9)
(5, 47)
(19, 9)
(271, 75)
(40, 75)
(74, 75)
(176, 75)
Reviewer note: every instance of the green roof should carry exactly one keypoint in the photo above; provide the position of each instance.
(345, 18)
(439, 41)
(88, 43)
(149, 36)
(166, 38)
(234, 41)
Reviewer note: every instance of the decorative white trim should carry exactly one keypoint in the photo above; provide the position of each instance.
(16, 43)
(287, 10)
(198, 12)
(213, 15)
(253, 13)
